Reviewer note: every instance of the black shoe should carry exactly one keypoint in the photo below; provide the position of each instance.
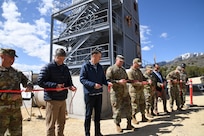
(179, 109)
(98, 134)
(153, 114)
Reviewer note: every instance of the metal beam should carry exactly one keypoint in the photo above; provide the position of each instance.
(71, 7)
(111, 31)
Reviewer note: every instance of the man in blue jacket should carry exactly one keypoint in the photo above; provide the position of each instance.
(56, 80)
(92, 76)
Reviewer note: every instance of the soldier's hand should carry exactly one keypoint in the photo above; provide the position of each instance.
(122, 81)
(97, 86)
(110, 84)
(60, 87)
(150, 82)
(29, 89)
(72, 88)
(175, 81)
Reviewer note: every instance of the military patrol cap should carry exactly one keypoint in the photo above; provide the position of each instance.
(183, 65)
(138, 61)
(148, 67)
(9, 52)
(120, 57)
(60, 52)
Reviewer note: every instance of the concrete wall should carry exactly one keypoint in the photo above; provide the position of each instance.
(75, 101)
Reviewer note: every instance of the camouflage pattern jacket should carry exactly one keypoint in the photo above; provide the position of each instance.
(10, 79)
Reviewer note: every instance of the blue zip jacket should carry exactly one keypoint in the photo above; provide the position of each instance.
(51, 75)
(89, 77)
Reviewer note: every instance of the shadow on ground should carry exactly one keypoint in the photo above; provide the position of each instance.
(172, 120)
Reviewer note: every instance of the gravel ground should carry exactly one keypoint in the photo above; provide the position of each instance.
(188, 122)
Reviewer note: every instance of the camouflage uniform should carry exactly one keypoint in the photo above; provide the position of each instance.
(10, 112)
(149, 92)
(137, 93)
(183, 78)
(173, 79)
(119, 96)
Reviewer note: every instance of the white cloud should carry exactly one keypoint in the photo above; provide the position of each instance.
(147, 48)
(32, 38)
(30, 1)
(9, 11)
(42, 28)
(163, 35)
(145, 32)
(45, 7)
(24, 67)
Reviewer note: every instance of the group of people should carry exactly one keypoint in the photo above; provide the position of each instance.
(131, 91)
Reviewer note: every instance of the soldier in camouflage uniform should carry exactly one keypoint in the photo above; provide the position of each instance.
(11, 100)
(119, 96)
(173, 79)
(136, 90)
(183, 79)
(149, 91)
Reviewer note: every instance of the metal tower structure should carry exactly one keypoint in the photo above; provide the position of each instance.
(83, 25)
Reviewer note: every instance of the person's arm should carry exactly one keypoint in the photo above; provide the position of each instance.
(43, 79)
(84, 77)
(70, 83)
(134, 81)
(26, 82)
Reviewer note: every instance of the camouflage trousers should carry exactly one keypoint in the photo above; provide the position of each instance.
(183, 95)
(149, 99)
(137, 101)
(121, 105)
(11, 119)
(174, 96)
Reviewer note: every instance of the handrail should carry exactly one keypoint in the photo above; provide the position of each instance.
(91, 20)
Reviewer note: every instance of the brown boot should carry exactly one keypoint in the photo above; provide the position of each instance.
(149, 115)
(118, 128)
(134, 121)
(144, 119)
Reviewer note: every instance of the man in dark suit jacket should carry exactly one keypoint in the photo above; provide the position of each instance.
(160, 89)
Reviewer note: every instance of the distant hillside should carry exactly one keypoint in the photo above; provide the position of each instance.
(190, 59)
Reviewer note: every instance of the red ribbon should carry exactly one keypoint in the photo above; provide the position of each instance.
(34, 90)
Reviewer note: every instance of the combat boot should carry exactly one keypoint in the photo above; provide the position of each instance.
(118, 128)
(129, 125)
(134, 121)
(148, 114)
(144, 119)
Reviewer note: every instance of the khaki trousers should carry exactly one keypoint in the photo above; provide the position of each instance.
(55, 115)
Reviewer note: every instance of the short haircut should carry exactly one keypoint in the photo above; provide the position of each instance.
(155, 64)
(96, 51)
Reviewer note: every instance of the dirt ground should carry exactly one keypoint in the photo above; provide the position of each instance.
(188, 122)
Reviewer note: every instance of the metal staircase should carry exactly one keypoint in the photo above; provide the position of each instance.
(84, 26)
(81, 25)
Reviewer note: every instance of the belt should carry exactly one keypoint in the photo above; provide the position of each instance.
(95, 94)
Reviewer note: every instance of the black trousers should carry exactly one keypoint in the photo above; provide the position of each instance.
(92, 102)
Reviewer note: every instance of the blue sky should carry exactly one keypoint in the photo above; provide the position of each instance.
(169, 28)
